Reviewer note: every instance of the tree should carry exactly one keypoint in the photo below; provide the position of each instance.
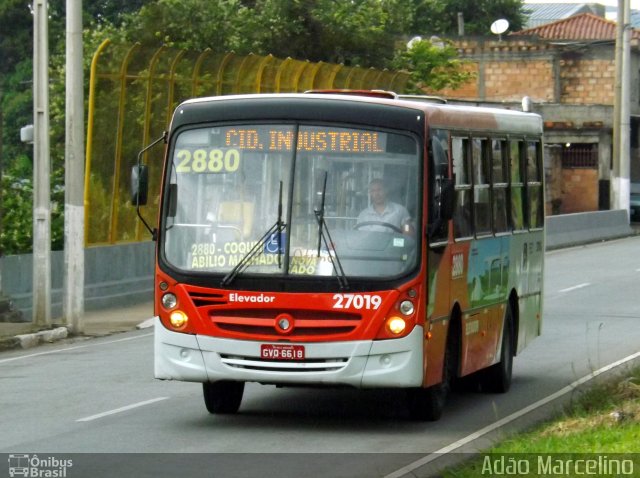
(433, 64)
(440, 17)
(360, 32)
(188, 24)
(353, 32)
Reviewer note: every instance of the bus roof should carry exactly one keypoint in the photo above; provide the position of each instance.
(438, 115)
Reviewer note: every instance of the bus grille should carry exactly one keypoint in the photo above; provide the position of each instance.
(260, 323)
(306, 366)
(203, 299)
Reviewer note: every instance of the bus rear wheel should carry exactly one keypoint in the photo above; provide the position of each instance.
(223, 397)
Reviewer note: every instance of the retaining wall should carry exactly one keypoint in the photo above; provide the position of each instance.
(119, 274)
(586, 227)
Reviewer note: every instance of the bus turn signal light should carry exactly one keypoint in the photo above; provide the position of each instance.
(396, 325)
(178, 319)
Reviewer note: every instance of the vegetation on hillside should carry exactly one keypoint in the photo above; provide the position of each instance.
(369, 33)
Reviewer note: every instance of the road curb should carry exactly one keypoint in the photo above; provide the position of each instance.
(8, 343)
(27, 341)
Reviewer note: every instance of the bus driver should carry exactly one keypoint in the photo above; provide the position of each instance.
(382, 215)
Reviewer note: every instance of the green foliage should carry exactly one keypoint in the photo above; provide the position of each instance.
(354, 32)
(362, 32)
(432, 64)
(16, 233)
(441, 17)
(16, 39)
(604, 419)
(189, 24)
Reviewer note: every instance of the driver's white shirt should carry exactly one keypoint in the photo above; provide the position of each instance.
(393, 213)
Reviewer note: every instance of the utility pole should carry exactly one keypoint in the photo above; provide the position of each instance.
(620, 177)
(41, 168)
(73, 291)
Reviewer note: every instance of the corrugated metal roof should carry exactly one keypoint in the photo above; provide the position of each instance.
(585, 26)
(542, 13)
(611, 13)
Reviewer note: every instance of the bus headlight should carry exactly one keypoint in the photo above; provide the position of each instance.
(169, 301)
(178, 319)
(406, 307)
(396, 325)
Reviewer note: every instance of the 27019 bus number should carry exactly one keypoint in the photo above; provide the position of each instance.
(212, 161)
(356, 301)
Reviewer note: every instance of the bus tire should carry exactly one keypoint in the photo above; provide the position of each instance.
(222, 397)
(427, 404)
(497, 378)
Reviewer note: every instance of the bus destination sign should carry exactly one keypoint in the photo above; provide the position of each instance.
(313, 140)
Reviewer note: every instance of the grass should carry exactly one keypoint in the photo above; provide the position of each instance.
(604, 420)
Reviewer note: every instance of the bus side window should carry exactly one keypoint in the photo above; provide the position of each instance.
(462, 223)
(481, 186)
(499, 185)
(517, 185)
(534, 184)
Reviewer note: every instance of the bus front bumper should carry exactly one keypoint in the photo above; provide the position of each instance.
(363, 364)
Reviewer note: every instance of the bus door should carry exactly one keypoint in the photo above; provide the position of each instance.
(439, 258)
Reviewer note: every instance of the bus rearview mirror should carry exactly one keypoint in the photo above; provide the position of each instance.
(139, 184)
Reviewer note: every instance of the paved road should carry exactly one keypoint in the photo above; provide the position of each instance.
(99, 396)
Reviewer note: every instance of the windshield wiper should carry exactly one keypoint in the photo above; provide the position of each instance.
(325, 236)
(277, 229)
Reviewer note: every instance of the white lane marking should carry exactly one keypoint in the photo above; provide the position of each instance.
(12, 359)
(508, 419)
(121, 409)
(576, 287)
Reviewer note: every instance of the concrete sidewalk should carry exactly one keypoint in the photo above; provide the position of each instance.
(97, 323)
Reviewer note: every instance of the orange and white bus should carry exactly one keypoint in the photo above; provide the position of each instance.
(331, 239)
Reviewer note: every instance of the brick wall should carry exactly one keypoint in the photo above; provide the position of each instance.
(465, 91)
(512, 69)
(587, 81)
(511, 80)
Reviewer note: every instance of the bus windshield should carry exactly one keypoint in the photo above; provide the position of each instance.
(293, 200)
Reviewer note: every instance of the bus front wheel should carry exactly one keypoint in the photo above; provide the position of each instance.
(427, 404)
(222, 397)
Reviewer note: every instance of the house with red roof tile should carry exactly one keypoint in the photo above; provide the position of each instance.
(567, 69)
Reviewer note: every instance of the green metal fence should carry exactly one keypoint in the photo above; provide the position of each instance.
(133, 92)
